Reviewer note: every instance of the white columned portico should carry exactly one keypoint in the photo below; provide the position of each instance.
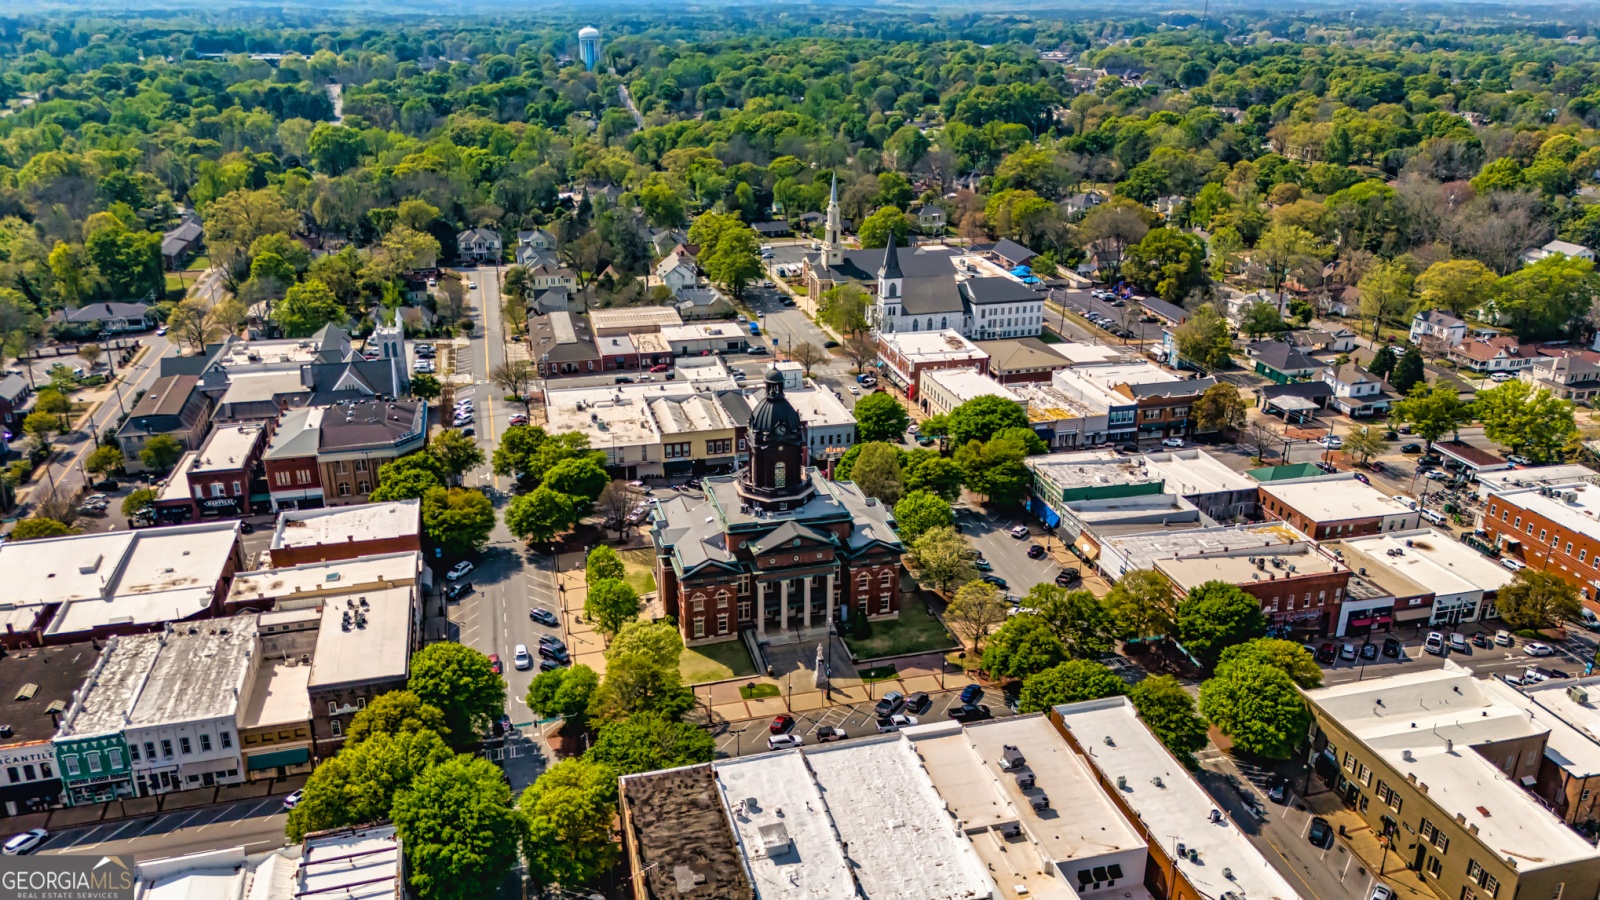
(783, 608)
(761, 609)
(829, 595)
(808, 602)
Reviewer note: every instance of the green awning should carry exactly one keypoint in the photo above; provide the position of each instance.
(278, 758)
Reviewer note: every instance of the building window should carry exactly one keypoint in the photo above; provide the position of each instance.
(744, 584)
(1433, 867)
(780, 475)
(281, 479)
(205, 743)
(71, 764)
(216, 489)
(722, 599)
(333, 708)
(303, 476)
(745, 608)
(341, 467)
(94, 761)
(227, 740)
(361, 465)
(722, 623)
(883, 604)
(364, 487)
(166, 748)
(114, 758)
(676, 451)
(133, 752)
(185, 746)
(13, 775)
(699, 604)
(699, 627)
(344, 488)
(334, 726)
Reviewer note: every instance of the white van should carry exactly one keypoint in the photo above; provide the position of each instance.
(1434, 516)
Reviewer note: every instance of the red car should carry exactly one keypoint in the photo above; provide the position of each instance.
(661, 368)
(494, 663)
(781, 724)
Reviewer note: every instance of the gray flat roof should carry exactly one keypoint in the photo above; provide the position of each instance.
(375, 646)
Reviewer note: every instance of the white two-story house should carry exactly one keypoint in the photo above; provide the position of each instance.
(1493, 355)
(1356, 392)
(478, 245)
(678, 272)
(1437, 327)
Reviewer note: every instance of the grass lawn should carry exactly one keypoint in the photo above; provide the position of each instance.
(914, 631)
(759, 692)
(877, 673)
(640, 570)
(714, 662)
(199, 264)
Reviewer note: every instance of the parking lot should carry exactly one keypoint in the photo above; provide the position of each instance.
(748, 736)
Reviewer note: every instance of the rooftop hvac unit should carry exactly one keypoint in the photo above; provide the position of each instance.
(1040, 803)
(1025, 781)
(1009, 829)
(1578, 694)
(1011, 757)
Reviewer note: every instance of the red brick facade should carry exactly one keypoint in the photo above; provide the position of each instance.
(1544, 544)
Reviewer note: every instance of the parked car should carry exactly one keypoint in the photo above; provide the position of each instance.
(458, 590)
(1512, 563)
(1500, 377)
(549, 665)
(1481, 640)
(550, 640)
(1331, 441)
(828, 734)
(1320, 833)
(972, 693)
(518, 419)
(781, 724)
(1128, 448)
(1067, 577)
(887, 724)
(1381, 892)
(1369, 651)
(1504, 638)
(623, 379)
(521, 658)
(970, 712)
(1347, 651)
(459, 571)
(293, 800)
(25, 843)
(889, 704)
(1327, 653)
(1535, 648)
(1434, 643)
(1019, 532)
(544, 617)
(1458, 643)
(558, 654)
(918, 702)
(110, 484)
(1035, 551)
(1172, 442)
(495, 665)
(1405, 501)
(784, 741)
(983, 565)
(1278, 792)
(1517, 459)
(1391, 647)
(663, 367)
(995, 580)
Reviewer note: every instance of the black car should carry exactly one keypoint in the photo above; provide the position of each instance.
(458, 590)
(1432, 459)
(503, 725)
(549, 652)
(918, 702)
(549, 665)
(110, 484)
(623, 379)
(995, 580)
(246, 528)
(1067, 577)
(1035, 551)
(971, 694)
(1278, 792)
(1369, 651)
(1411, 448)
(1321, 833)
(970, 713)
(891, 703)
(553, 642)
(544, 617)
(1128, 448)
(1391, 647)
(1481, 640)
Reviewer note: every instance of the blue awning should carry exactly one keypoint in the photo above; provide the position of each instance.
(276, 758)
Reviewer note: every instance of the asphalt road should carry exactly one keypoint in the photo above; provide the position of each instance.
(256, 825)
(748, 736)
(991, 536)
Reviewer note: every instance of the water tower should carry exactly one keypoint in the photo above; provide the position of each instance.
(589, 47)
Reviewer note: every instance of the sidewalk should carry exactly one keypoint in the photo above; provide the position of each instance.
(1356, 834)
(136, 807)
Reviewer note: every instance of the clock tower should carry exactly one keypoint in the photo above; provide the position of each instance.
(776, 479)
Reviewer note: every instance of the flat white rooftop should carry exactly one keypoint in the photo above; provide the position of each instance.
(782, 826)
(1536, 476)
(1236, 565)
(1091, 468)
(1432, 558)
(1574, 507)
(818, 407)
(967, 384)
(612, 416)
(1197, 472)
(931, 346)
(102, 704)
(1574, 742)
(1335, 498)
(199, 674)
(361, 863)
(322, 578)
(688, 415)
(227, 449)
(1080, 352)
(1172, 806)
(375, 644)
(1141, 551)
(882, 803)
(342, 524)
(709, 331)
(1425, 722)
(278, 696)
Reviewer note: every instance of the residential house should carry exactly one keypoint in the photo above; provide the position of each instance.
(545, 276)
(1565, 248)
(930, 219)
(1281, 363)
(703, 303)
(551, 300)
(678, 272)
(1356, 392)
(180, 245)
(769, 230)
(174, 406)
(1437, 330)
(1487, 356)
(15, 392)
(1341, 340)
(537, 239)
(106, 318)
(1572, 376)
(478, 245)
(561, 344)
(1078, 205)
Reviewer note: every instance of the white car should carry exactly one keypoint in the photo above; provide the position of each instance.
(472, 285)
(854, 389)
(1019, 532)
(1500, 377)
(25, 843)
(895, 723)
(1519, 460)
(1405, 501)
(1438, 475)
(1172, 442)
(1512, 563)
(784, 741)
(913, 428)
(1331, 441)
(521, 658)
(293, 800)
(461, 570)
(1534, 648)
(1381, 891)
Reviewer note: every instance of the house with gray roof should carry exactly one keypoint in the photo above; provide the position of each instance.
(174, 406)
(179, 245)
(1282, 363)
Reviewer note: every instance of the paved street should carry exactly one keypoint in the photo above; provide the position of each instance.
(748, 736)
(256, 824)
(991, 536)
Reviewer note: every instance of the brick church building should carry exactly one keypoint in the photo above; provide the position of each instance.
(777, 547)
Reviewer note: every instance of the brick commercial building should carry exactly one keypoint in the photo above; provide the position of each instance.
(905, 355)
(1335, 507)
(777, 548)
(347, 532)
(1300, 587)
(1552, 528)
(40, 684)
(221, 475)
(1426, 576)
(1436, 761)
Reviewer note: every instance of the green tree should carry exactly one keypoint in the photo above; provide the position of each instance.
(1070, 682)
(1169, 712)
(1142, 604)
(305, 308)
(1257, 706)
(137, 500)
(1216, 615)
(335, 148)
(457, 454)
(730, 252)
(459, 681)
(1529, 421)
(409, 477)
(541, 515)
(1203, 339)
(1079, 620)
(610, 604)
(647, 741)
(40, 527)
(563, 692)
(1261, 319)
(459, 829)
(1432, 411)
(943, 558)
(1384, 361)
(393, 714)
(1455, 285)
(919, 511)
(1385, 294)
(1032, 444)
(1503, 174)
(1023, 646)
(103, 461)
(639, 680)
(1220, 408)
(1283, 252)
(359, 784)
(975, 611)
(661, 205)
(995, 469)
(1408, 372)
(583, 478)
(925, 470)
(601, 564)
(41, 426)
(845, 308)
(979, 418)
(457, 520)
(1295, 660)
(1167, 262)
(569, 811)
(1536, 599)
(877, 472)
(875, 229)
(1364, 443)
(880, 417)
(425, 387)
(659, 641)
(1545, 299)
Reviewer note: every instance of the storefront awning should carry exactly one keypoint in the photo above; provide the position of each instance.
(1086, 549)
(276, 758)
